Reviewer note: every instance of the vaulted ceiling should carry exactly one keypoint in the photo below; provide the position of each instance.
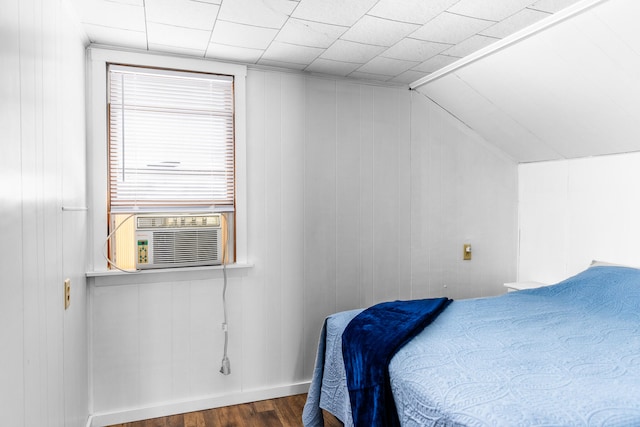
(569, 91)
(386, 40)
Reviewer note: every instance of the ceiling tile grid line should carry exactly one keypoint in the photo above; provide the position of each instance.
(388, 40)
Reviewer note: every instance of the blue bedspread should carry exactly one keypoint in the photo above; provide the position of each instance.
(563, 355)
(368, 343)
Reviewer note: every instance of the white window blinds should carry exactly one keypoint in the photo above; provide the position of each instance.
(171, 140)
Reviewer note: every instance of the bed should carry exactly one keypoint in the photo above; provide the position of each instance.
(561, 355)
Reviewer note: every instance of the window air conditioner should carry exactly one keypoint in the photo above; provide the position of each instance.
(164, 241)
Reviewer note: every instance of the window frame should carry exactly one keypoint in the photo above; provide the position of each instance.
(97, 145)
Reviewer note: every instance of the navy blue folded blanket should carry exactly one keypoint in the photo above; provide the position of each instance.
(369, 342)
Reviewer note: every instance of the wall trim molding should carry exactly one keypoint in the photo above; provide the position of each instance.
(199, 404)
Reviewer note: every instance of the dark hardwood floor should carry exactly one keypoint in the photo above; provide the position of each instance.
(282, 412)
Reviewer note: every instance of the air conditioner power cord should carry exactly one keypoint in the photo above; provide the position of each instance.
(225, 369)
(226, 366)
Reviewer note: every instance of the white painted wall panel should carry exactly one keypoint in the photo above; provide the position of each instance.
(44, 371)
(71, 167)
(115, 354)
(254, 293)
(180, 309)
(367, 197)
(319, 208)
(292, 229)
(575, 211)
(347, 225)
(542, 210)
(421, 196)
(12, 305)
(153, 343)
(462, 192)
(403, 189)
(207, 337)
(274, 264)
(346, 182)
(76, 359)
(385, 184)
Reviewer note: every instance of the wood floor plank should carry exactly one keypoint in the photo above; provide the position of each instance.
(281, 412)
(263, 405)
(231, 416)
(212, 418)
(194, 419)
(156, 422)
(267, 419)
(175, 421)
(289, 410)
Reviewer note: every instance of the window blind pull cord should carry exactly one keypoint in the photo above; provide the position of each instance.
(226, 366)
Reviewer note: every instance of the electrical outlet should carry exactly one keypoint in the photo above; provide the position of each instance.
(466, 252)
(67, 293)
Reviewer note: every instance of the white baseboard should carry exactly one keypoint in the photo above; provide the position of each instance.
(180, 407)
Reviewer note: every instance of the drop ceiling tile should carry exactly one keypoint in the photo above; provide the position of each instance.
(347, 51)
(378, 31)
(169, 35)
(470, 45)
(412, 11)
(552, 6)
(111, 14)
(493, 10)
(116, 36)
(280, 64)
(370, 76)
(336, 12)
(233, 53)
(327, 66)
(387, 66)
(435, 63)
(286, 52)
(177, 49)
(514, 23)
(265, 13)
(129, 2)
(450, 28)
(309, 33)
(408, 76)
(182, 13)
(347, 35)
(241, 35)
(414, 50)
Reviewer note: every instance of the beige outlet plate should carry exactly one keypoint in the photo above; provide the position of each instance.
(466, 252)
(67, 293)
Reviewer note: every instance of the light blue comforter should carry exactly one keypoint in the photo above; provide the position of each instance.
(563, 355)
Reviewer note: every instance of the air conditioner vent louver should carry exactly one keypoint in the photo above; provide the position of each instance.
(178, 240)
(170, 247)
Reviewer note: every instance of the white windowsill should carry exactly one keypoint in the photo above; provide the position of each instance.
(116, 277)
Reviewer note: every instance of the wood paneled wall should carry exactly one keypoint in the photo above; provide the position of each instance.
(43, 363)
(357, 193)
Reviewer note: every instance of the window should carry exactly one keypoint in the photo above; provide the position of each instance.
(171, 155)
(101, 221)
